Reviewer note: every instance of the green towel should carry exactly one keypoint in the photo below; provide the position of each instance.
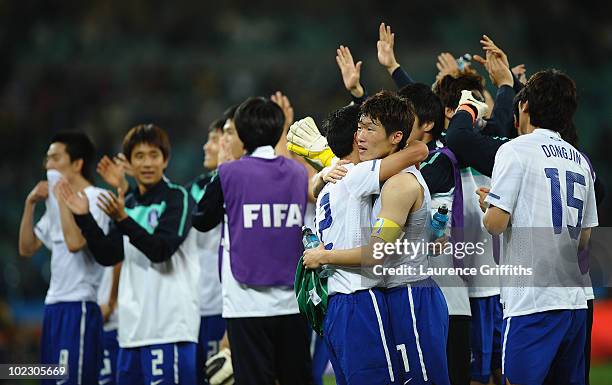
(311, 294)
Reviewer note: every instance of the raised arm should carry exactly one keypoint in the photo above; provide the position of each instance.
(285, 105)
(28, 242)
(351, 73)
(386, 56)
(461, 138)
(414, 152)
(501, 122)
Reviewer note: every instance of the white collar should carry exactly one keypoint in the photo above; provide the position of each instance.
(547, 132)
(265, 152)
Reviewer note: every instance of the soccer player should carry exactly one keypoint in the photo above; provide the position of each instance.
(544, 187)
(440, 171)
(485, 305)
(158, 303)
(462, 138)
(417, 310)
(212, 325)
(261, 199)
(72, 323)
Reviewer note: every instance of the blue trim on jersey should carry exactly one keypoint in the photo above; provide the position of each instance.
(494, 195)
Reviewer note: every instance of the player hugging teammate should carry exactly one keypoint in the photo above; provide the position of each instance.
(199, 284)
(510, 329)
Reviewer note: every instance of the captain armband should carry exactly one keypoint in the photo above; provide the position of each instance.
(387, 230)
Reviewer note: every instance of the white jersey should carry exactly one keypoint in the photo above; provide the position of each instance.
(159, 302)
(479, 285)
(74, 276)
(104, 292)
(547, 187)
(309, 217)
(415, 231)
(343, 221)
(453, 287)
(211, 300)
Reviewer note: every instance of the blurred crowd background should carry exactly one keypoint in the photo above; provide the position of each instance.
(105, 66)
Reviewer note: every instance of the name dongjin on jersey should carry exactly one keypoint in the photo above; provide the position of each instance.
(561, 152)
(272, 215)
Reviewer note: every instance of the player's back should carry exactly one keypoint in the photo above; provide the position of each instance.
(554, 199)
(343, 220)
(415, 233)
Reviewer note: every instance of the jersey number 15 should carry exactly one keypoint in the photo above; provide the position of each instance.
(557, 204)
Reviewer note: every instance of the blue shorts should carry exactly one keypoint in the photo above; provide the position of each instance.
(486, 334)
(72, 335)
(545, 347)
(356, 331)
(108, 373)
(161, 364)
(212, 329)
(320, 357)
(419, 325)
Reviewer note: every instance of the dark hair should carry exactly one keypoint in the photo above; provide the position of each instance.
(393, 112)
(427, 106)
(259, 122)
(449, 87)
(217, 125)
(78, 146)
(230, 112)
(149, 134)
(551, 98)
(518, 98)
(339, 128)
(570, 134)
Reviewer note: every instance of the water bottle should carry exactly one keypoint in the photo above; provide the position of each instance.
(463, 60)
(311, 241)
(438, 222)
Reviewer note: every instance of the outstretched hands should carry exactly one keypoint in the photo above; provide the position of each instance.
(351, 72)
(76, 202)
(446, 65)
(385, 48)
(113, 171)
(495, 62)
(113, 205)
(283, 102)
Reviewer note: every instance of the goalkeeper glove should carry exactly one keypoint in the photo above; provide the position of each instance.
(219, 368)
(467, 99)
(305, 140)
